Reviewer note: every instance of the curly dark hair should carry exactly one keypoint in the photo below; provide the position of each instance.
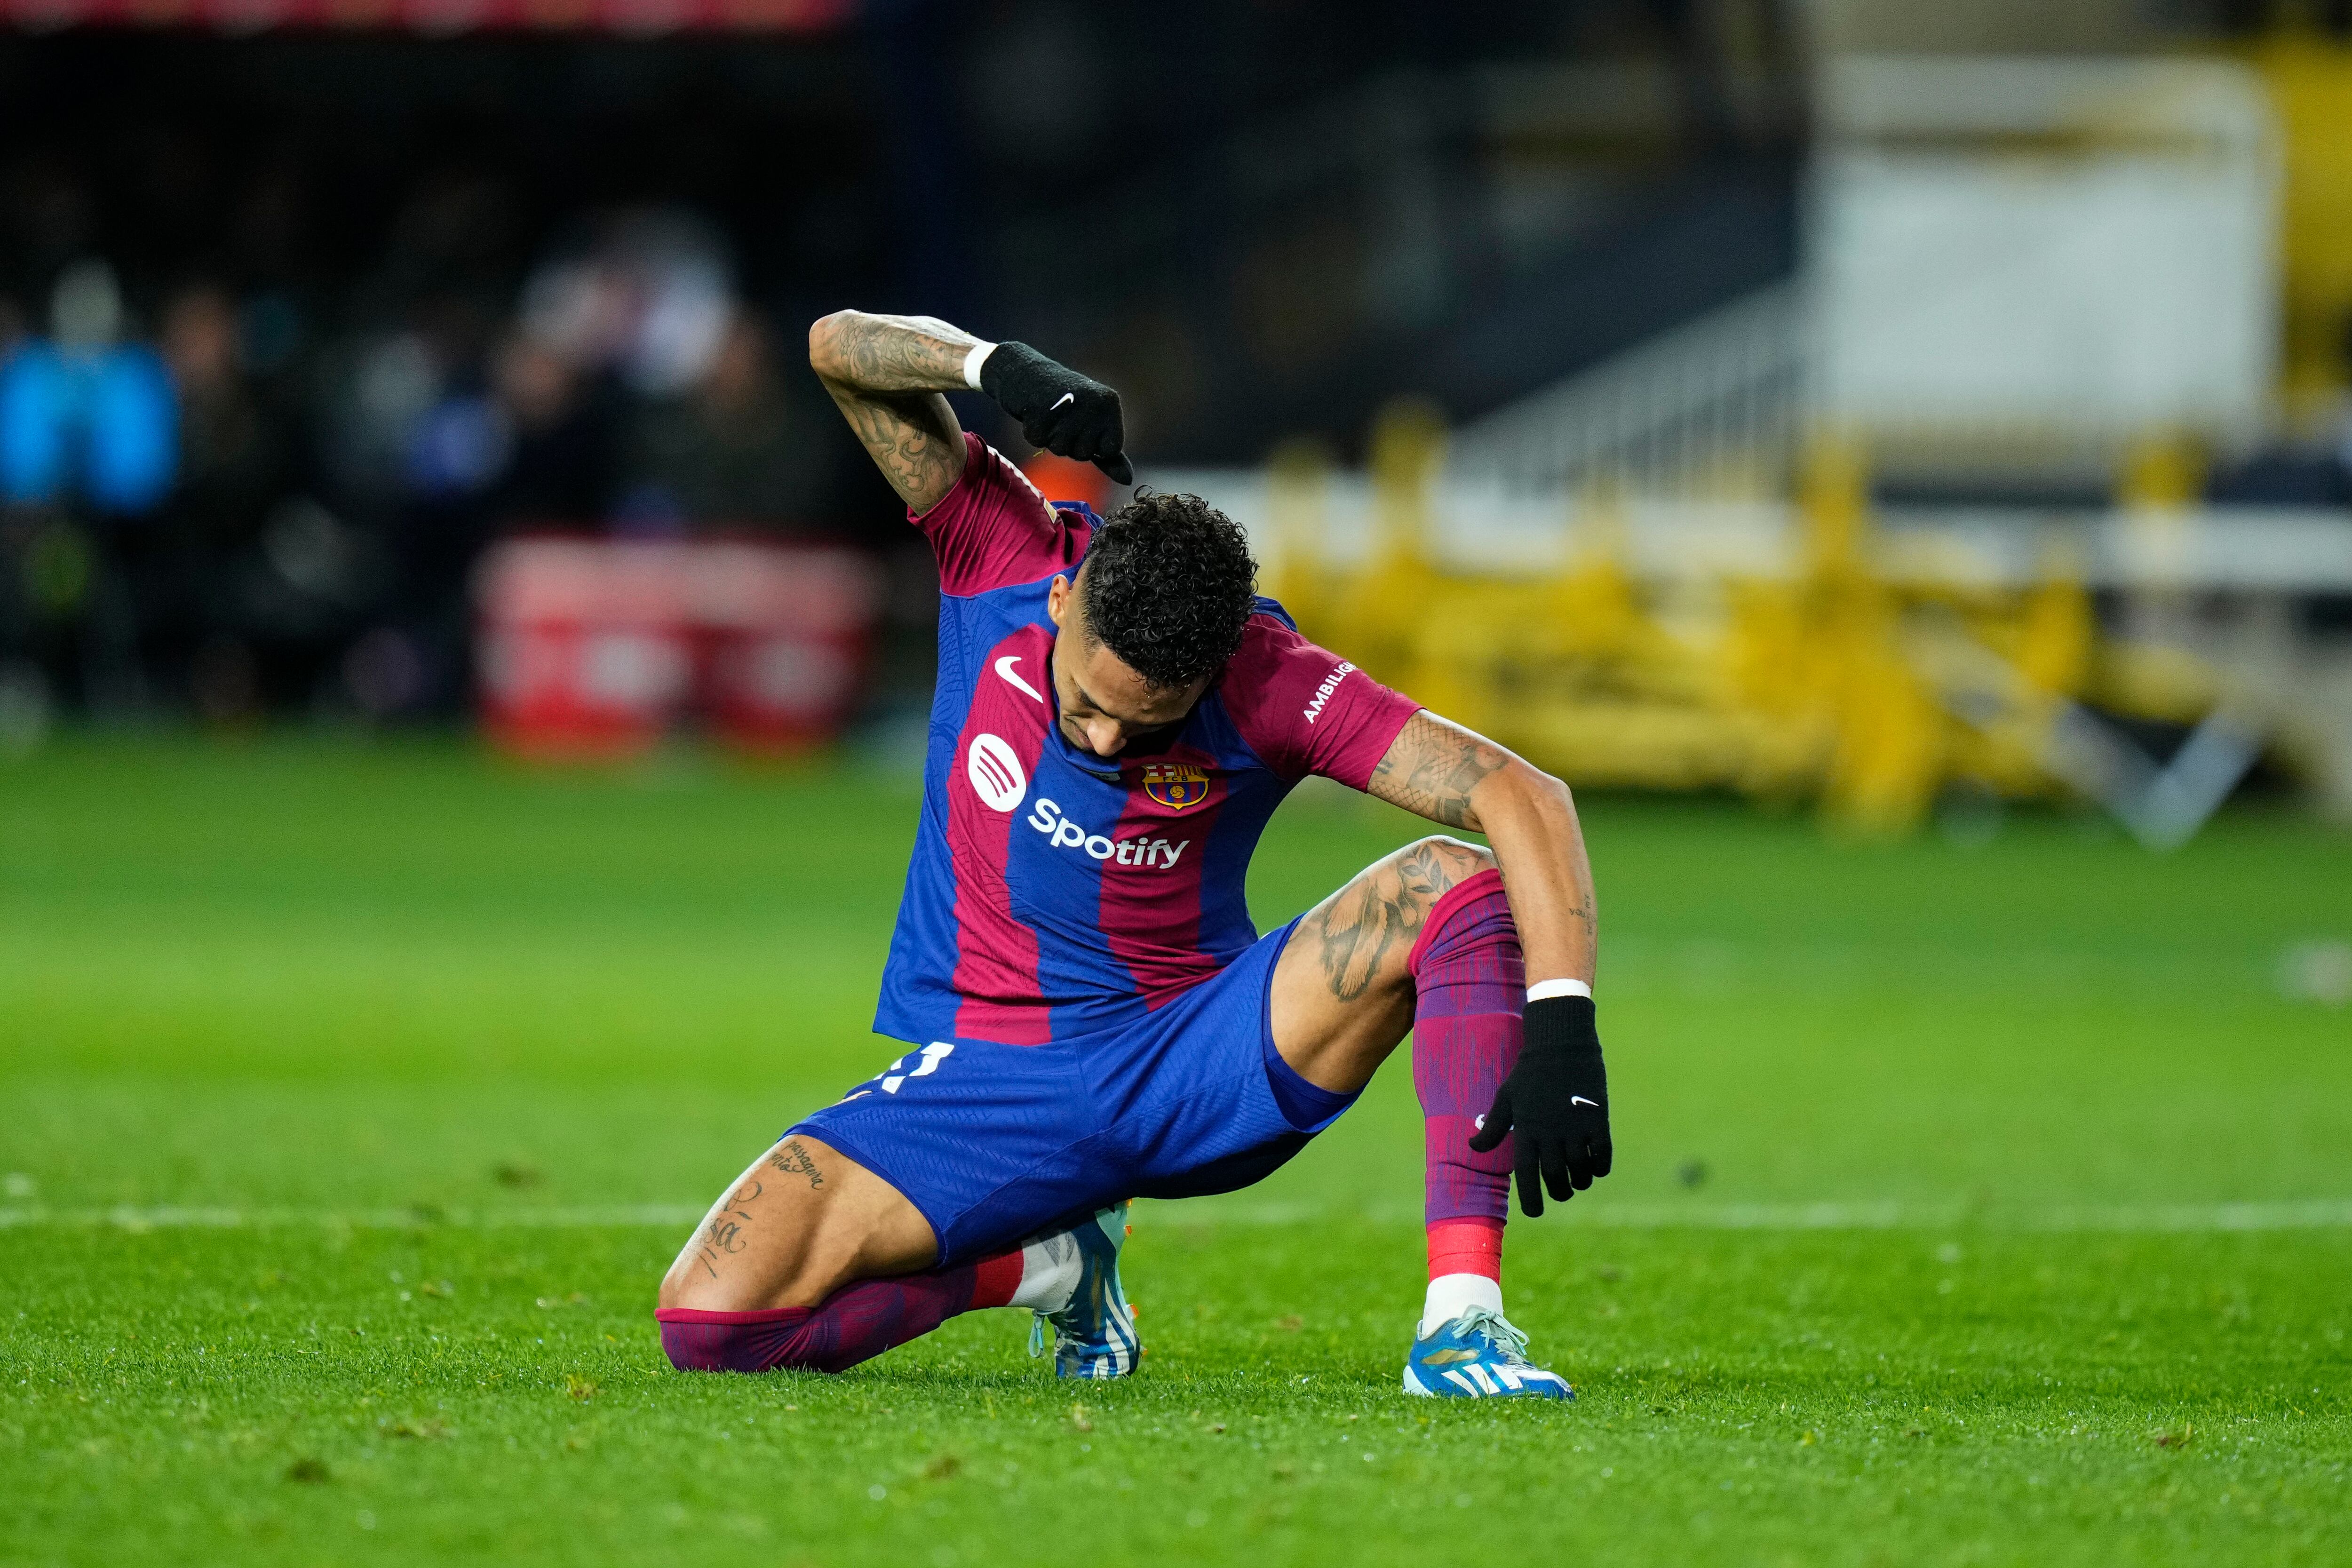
(1169, 584)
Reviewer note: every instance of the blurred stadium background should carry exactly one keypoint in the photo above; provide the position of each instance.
(1905, 408)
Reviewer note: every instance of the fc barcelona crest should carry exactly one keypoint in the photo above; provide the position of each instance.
(1175, 784)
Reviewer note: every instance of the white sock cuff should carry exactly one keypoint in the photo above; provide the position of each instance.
(1451, 1295)
(1049, 1274)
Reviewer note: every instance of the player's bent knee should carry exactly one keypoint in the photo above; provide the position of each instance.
(754, 1247)
(786, 1270)
(1454, 860)
(801, 1223)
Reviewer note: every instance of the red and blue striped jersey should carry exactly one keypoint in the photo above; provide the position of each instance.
(1053, 893)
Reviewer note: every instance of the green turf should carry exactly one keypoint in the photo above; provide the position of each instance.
(423, 1025)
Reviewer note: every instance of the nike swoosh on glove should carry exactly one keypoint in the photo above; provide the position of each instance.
(1555, 1101)
(1068, 415)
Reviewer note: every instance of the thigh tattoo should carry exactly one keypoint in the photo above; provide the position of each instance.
(1384, 909)
(723, 1234)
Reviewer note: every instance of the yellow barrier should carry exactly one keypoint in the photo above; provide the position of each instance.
(1833, 684)
(2310, 79)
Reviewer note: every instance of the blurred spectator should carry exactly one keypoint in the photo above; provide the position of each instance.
(730, 453)
(560, 470)
(89, 444)
(647, 294)
(235, 466)
(232, 457)
(83, 416)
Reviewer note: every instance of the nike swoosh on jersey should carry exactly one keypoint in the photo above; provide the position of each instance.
(1005, 667)
(1580, 1099)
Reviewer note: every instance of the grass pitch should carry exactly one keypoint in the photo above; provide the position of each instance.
(1972, 1205)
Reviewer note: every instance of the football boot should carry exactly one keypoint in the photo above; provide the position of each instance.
(1094, 1334)
(1478, 1355)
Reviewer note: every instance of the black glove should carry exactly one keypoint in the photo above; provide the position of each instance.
(1069, 415)
(1556, 1100)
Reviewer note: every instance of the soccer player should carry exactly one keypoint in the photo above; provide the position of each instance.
(1089, 1012)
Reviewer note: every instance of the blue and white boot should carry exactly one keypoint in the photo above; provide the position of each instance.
(1477, 1354)
(1094, 1334)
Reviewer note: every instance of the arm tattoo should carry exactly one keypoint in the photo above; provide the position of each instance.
(886, 373)
(1434, 767)
(793, 1161)
(1383, 908)
(894, 353)
(913, 439)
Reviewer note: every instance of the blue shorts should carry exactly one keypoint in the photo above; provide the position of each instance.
(998, 1143)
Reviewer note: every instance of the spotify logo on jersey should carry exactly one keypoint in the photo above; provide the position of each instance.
(995, 772)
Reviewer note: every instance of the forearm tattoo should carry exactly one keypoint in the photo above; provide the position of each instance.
(895, 353)
(1432, 767)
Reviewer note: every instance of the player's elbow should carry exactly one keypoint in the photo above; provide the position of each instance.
(826, 338)
(1539, 796)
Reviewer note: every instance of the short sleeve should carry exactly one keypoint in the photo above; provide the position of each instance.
(1304, 709)
(993, 528)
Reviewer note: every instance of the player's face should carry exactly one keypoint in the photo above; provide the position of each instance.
(1106, 705)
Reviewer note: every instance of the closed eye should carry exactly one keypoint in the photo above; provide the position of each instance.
(1086, 707)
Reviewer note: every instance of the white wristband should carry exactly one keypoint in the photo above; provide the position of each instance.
(973, 361)
(1544, 989)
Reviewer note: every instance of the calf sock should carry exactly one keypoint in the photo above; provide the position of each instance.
(862, 1319)
(1470, 990)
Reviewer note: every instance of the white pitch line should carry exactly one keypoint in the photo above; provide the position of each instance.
(2323, 1213)
(2311, 1215)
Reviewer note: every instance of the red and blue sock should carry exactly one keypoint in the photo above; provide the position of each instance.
(1471, 990)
